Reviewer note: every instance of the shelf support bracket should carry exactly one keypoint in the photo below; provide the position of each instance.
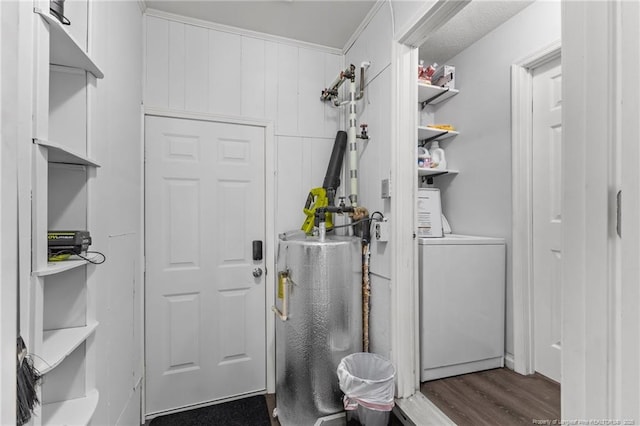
(425, 178)
(433, 98)
(423, 142)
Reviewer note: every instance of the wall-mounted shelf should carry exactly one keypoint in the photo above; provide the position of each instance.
(62, 266)
(65, 50)
(71, 412)
(435, 172)
(60, 154)
(427, 134)
(431, 95)
(58, 344)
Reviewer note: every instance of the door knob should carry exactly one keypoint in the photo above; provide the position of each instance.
(257, 272)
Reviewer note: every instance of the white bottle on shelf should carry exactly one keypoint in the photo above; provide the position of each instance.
(438, 159)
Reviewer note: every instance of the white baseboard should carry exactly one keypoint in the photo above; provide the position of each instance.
(508, 361)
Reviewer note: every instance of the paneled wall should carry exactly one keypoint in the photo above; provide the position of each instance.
(374, 45)
(197, 67)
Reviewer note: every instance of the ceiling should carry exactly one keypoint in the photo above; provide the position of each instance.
(474, 21)
(325, 22)
(332, 22)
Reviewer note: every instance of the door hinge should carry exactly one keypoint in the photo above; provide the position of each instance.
(619, 213)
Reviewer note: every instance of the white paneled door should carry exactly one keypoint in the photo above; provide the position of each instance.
(205, 293)
(547, 217)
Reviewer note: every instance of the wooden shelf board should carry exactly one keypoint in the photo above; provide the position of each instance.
(64, 49)
(431, 172)
(77, 411)
(58, 153)
(427, 91)
(425, 132)
(58, 344)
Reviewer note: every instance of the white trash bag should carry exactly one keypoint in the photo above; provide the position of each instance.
(367, 380)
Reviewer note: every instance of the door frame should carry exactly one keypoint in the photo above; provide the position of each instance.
(405, 314)
(592, 381)
(522, 204)
(270, 226)
(626, 348)
(599, 113)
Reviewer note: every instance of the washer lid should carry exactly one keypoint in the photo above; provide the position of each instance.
(456, 239)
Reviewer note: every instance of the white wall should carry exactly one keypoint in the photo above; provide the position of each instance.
(406, 12)
(478, 200)
(373, 44)
(197, 67)
(115, 213)
(8, 215)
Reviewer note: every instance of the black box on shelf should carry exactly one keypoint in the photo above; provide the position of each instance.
(72, 242)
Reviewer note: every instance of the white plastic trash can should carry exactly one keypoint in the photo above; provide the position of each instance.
(367, 382)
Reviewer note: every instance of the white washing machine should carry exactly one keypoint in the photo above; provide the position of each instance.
(462, 305)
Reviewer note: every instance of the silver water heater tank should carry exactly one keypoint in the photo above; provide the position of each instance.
(319, 304)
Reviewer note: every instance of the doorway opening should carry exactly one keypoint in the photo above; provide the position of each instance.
(478, 200)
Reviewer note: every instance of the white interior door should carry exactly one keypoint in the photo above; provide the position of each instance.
(547, 217)
(205, 309)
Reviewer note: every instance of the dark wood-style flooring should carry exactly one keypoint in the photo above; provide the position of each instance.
(495, 397)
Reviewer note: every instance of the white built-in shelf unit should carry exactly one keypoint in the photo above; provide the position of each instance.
(58, 153)
(63, 265)
(65, 50)
(78, 411)
(65, 343)
(58, 344)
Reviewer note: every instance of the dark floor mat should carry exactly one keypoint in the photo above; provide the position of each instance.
(242, 412)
